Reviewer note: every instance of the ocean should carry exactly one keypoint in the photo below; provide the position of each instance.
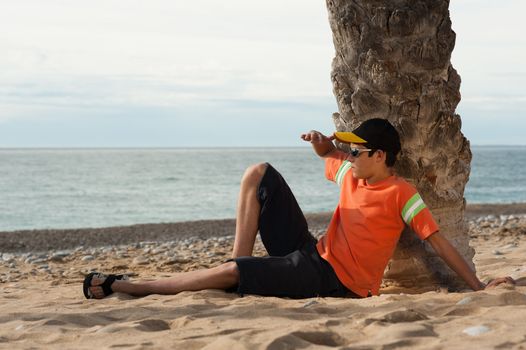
(74, 188)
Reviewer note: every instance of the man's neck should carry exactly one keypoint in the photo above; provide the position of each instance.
(380, 176)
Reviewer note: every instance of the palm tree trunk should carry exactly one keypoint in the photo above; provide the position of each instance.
(393, 61)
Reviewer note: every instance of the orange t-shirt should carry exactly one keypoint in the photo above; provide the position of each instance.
(367, 224)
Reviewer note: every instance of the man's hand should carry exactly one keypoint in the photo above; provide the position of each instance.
(495, 282)
(457, 263)
(314, 136)
(322, 144)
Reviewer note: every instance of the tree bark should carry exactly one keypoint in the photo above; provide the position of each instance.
(393, 61)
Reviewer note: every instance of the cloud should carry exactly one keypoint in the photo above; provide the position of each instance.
(111, 54)
(496, 103)
(188, 63)
(224, 123)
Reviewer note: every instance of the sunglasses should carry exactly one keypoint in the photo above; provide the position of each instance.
(355, 152)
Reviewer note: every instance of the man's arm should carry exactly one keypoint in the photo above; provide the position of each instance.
(321, 144)
(456, 262)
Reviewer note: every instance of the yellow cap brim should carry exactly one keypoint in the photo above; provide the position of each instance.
(348, 137)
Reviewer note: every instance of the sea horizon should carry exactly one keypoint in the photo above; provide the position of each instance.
(55, 188)
(198, 147)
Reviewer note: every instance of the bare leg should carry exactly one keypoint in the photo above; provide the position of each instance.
(220, 277)
(248, 209)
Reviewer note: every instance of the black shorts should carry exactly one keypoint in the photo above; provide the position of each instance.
(293, 268)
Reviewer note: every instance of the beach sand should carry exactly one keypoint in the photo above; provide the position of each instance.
(42, 305)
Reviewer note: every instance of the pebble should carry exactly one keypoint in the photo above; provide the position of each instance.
(58, 256)
(141, 260)
(184, 259)
(146, 243)
(170, 256)
(7, 257)
(38, 261)
(158, 250)
(476, 330)
(170, 262)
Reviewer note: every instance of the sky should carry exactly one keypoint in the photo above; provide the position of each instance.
(207, 73)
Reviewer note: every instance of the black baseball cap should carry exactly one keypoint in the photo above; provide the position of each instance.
(373, 133)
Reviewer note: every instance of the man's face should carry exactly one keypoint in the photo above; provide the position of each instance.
(362, 165)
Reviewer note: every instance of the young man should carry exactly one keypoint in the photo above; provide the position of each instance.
(349, 260)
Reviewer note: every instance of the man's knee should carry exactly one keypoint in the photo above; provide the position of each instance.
(231, 270)
(254, 174)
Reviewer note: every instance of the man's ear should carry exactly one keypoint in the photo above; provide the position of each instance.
(380, 156)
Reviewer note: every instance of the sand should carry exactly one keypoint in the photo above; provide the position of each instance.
(42, 305)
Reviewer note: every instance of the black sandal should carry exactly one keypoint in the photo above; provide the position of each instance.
(106, 285)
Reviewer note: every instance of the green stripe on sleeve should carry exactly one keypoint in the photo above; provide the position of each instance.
(415, 212)
(340, 174)
(413, 204)
(410, 203)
